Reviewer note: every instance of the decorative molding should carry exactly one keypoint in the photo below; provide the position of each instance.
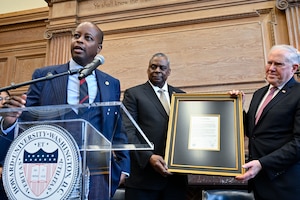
(163, 10)
(284, 4)
(51, 2)
(273, 23)
(255, 13)
(49, 33)
(23, 47)
(26, 16)
(26, 25)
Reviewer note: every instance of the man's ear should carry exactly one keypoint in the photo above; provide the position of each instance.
(99, 48)
(169, 72)
(295, 67)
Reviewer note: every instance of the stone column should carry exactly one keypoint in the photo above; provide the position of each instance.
(58, 47)
(292, 12)
(63, 15)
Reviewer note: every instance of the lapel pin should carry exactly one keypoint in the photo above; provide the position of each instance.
(106, 83)
(283, 91)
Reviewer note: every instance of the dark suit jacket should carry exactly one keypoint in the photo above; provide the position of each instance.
(275, 141)
(145, 107)
(54, 92)
(5, 141)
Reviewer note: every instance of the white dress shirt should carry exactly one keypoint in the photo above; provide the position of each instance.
(165, 88)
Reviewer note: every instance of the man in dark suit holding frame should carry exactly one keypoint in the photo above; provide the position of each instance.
(273, 169)
(149, 178)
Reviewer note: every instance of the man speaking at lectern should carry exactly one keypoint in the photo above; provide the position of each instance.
(85, 45)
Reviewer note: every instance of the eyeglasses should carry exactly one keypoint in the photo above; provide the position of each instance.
(4, 98)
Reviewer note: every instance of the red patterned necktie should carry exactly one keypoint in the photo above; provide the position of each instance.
(83, 95)
(83, 92)
(267, 100)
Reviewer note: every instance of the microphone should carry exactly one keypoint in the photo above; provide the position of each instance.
(89, 68)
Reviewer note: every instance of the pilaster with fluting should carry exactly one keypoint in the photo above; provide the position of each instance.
(61, 24)
(292, 12)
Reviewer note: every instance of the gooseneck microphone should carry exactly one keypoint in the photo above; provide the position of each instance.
(89, 68)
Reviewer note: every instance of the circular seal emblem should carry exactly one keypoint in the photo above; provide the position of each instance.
(42, 163)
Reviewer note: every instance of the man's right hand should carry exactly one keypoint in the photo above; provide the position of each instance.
(159, 165)
(13, 102)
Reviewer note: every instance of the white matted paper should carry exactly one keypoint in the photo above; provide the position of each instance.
(204, 132)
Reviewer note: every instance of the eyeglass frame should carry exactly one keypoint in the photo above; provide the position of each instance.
(4, 98)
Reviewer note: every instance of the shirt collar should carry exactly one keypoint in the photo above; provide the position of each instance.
(156, 88)
(74, 66)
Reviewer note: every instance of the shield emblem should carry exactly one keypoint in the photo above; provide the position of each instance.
(39, 168)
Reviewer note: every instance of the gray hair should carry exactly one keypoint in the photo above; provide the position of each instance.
(160, 55)
(292, 56)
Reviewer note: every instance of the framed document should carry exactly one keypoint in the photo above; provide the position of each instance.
(206, 135)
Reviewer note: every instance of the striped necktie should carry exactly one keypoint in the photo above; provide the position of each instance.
(83, 92)
(83, 95)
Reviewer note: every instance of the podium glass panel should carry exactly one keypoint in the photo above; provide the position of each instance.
(58, 154)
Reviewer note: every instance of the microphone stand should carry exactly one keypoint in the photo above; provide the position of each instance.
(49, 76)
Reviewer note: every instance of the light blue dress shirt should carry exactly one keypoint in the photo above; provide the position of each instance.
(73, 85)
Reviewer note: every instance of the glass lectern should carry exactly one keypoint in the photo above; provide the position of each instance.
(58, 154)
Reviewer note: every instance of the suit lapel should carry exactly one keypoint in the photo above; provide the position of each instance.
(171, 91)
(103, 87)
(260, 95)
(280, 95)
(150, 94)
(59, 85)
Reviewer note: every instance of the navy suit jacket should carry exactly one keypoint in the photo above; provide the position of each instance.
(54, 92)
(275, 141)
(147, 110)
(5, 141)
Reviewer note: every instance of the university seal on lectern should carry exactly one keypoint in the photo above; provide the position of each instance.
(43, 162)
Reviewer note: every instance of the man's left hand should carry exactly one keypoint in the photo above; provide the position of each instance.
(122, 179)
(252, 167)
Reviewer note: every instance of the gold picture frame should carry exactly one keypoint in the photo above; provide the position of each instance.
(206, 135)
